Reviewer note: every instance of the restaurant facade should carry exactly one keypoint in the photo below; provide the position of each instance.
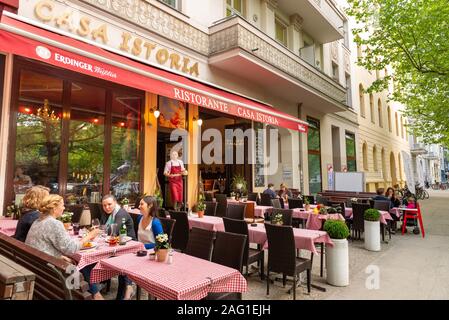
(94, 91)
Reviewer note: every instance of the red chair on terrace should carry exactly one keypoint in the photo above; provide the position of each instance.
(413, 215)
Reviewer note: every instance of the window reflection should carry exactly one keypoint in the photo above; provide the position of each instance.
(38, 137)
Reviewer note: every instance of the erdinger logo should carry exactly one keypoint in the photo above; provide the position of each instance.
(43, 52)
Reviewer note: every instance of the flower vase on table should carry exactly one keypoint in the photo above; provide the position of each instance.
(162, 247)
(161, 255)
(200, 214)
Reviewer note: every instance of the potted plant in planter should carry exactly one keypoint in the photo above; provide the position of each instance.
(161, 247)
(66, 219)
(337, 257)
(372, 229)
(201, 206)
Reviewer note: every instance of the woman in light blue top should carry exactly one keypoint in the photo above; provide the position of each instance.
(148, 225)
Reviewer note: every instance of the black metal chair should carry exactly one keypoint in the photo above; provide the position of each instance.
(222, 202)
(321, 200)
(282, 256)
(180, 230)
(236, 211)
(168, 225)
(358, 223)
(265, 200)
(211, 208)
(232, 258)
(253, 196)
(275, 203)
(201, 243)
(384, 205)
(250, 255)
(286, 216)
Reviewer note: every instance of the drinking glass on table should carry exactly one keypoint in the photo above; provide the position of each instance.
(95, 223)
(76, 228)
(103, 231)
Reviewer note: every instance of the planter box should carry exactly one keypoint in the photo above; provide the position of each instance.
(337, 263)
(372, 235)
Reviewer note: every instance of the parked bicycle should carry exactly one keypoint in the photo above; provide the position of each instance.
(421, 193)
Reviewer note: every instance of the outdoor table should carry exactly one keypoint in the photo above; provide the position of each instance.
(103, 251)
(384, 216)
(315, 221)
(259, 211)
(186, 278)
(399, 211)
(206, 222)
(8, 226)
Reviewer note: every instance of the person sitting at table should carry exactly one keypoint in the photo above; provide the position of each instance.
(380, 195)
(48, 235)
(284, 192)
(392, 196)
(113, 213)
(30, 210)
(149, 225)
(270, 191)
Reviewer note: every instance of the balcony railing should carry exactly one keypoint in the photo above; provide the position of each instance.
(418, 148)
(236, 33)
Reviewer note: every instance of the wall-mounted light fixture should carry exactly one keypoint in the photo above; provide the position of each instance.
(156, 114)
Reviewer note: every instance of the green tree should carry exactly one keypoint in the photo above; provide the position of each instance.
(410, 36)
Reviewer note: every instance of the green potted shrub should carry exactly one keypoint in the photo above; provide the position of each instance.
(337, 256)
(201, 206)
(372, 229)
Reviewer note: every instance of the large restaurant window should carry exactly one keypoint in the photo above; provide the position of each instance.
(350, 152)
(76, 135)
(314, 155)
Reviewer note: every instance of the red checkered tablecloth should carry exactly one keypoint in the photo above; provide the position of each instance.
(8, 226)
(187, 278)
(304, 238)
(104, 251)
(207, 223)
(384, 215)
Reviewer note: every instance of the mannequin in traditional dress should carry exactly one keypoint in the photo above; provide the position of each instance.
(174, 170)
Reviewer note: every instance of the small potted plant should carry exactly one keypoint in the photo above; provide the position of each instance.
(125, 203)
(306, 204)
(372, 229)
(239, 184)
(201, 206)
(161, 247)
(277, 219)
(66, 219)
(337, 256)
(13, 211)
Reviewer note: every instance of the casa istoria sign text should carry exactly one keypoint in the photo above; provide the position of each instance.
(72, 19)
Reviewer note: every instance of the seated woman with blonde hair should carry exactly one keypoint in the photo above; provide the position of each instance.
(30, 210)
(48, 234)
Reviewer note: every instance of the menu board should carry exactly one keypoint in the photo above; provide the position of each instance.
(259, 172)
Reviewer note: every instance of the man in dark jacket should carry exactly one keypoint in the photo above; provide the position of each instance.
(380, 195)
(113, 213)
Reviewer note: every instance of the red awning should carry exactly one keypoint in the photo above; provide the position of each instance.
(36, 43)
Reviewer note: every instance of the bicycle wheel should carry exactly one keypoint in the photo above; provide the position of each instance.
(426, 194)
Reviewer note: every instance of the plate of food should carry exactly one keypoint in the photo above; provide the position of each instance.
(88, 245)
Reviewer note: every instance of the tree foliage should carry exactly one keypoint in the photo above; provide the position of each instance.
(411, 37)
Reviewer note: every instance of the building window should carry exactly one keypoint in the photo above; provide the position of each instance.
(371, 107)
(402, 128)
(389, 118)
(335, 73)
(281, 31)
(365, 156)
(384, 164)
(348, 91)
(350, 152)
(375, 158)
(175, 4)
(362, 101)
(397, 123)
(379, 111)
(234, 6)
(314, 155)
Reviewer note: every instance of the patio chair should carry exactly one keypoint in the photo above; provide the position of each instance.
(222, 202)
(211, 208)
(252, 196)
(180, 230)
(282, 256)
(236, 211)
(275, 203)
(265, 200)
(358, 221)
(250, 255)
(200, 243)
(311, 199)
(294, 204)
(384, 205)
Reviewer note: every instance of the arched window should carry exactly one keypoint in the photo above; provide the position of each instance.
(397, 123)
(362, 101)
(365, 156)
(379, 111)
(375, 158)
(389, 118)
(371, 106)
(384, 165)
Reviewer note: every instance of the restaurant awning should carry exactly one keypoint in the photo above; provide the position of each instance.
(29, 41)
